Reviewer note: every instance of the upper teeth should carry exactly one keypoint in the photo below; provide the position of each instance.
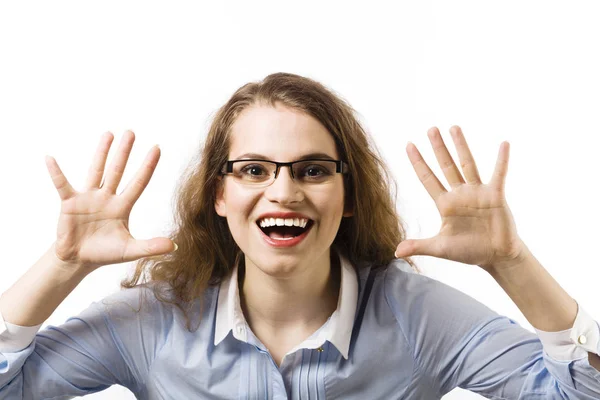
(266, 222)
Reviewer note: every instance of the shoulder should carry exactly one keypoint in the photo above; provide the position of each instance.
(412, 295)
(433, 317)
(150, 303)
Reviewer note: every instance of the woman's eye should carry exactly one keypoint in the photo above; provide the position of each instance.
(314, 171)
(253, 170)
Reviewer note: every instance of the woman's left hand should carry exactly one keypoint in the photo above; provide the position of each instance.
(477, 225)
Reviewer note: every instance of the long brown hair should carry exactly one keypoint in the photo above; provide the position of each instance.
(207, 251)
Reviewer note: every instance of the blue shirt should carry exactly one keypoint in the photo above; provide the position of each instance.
(395, 335)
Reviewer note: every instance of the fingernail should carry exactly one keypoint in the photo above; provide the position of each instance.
(395, 255)
(176, 247)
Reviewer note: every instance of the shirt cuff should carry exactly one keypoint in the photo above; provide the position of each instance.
(14, 338)
(575, 343)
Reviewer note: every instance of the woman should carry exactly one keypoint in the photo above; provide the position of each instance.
(285, 282)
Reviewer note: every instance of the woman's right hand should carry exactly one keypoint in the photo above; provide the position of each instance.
(93, 227)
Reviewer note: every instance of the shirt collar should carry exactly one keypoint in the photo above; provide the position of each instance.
(337, 330)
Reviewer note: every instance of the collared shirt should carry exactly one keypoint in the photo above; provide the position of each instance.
(337, 329)
(409, 337)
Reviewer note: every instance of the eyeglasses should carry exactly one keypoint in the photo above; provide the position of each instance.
(261, 173)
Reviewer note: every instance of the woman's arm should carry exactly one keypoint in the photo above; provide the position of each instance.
(478, 229)
(85, 354)
(545, 304)
(111, 342)
(35, 296)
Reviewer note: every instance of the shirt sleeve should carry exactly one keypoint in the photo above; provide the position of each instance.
(15, 337)
(459, 342)
(575, 343)
(111, 342)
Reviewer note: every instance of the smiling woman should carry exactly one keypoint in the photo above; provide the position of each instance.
(288, 118)
(285, 281)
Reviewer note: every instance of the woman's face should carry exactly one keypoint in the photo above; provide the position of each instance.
(281, 134)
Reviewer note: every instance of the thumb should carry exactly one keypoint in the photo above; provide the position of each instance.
(150, 248)
(418, 247)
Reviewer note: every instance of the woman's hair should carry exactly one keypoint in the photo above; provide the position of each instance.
(207, 251)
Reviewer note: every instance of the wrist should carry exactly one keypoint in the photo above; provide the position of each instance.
(518, 257)
(66, 270)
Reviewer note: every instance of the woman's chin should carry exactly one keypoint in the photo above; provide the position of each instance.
(281, 266)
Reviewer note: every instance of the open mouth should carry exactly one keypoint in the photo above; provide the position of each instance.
(284, 232)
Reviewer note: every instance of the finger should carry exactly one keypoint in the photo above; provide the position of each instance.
(136, 186)
(62, 185)
(500, 171)
(117, 166)
(426, 176)
(99, 162)
(444, 158)
(419, 247)
(148, 248)
(467, 162)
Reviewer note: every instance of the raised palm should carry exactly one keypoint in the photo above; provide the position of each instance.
(477, 225)
(93, 227)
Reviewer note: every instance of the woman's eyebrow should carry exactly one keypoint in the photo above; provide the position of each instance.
(304, 157)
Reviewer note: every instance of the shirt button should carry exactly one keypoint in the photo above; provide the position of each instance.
(582, 339)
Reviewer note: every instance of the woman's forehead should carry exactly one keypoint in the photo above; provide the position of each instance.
(279, 133)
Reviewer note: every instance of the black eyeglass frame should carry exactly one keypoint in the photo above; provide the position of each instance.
(341, 167)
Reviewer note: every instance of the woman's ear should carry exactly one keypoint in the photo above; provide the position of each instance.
(348, 207)
(220, 207)
(348, 211)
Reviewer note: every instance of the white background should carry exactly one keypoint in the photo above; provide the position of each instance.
(526, 72)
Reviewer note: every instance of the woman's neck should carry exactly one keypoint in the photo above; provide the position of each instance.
(300, 303)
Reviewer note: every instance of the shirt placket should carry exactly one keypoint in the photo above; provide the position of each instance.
(298, 378)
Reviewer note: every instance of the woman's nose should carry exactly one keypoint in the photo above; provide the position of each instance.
(284, 189)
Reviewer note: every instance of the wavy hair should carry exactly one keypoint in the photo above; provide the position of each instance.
(207, 251)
